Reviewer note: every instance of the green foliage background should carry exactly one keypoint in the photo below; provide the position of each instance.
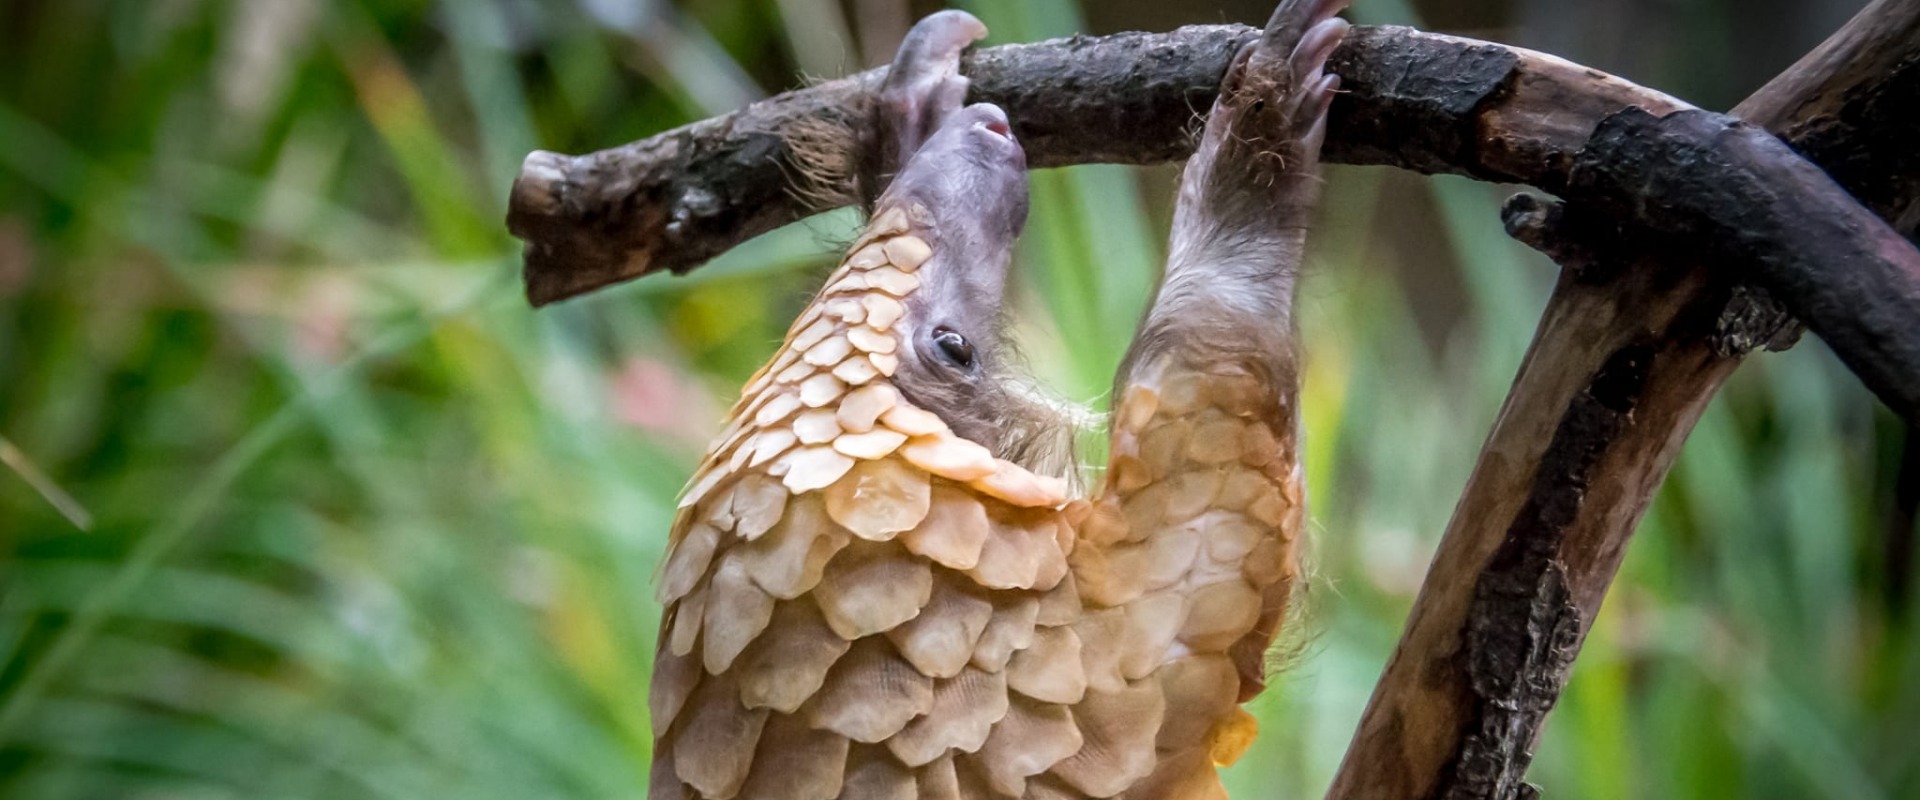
(358, 523)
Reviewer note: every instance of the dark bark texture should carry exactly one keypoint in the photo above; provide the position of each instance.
(1416, 100)
(1659, 299)
(1776, 220)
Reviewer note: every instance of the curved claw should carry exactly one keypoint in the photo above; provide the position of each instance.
(1314, 88)
(1293, 20)
(1304, 33)
(1285, 72)
(1256, 166)
(924, 85)
(1315, 46)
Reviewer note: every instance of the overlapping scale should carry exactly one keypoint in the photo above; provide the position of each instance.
(869, 445)
(1014, 484)
(965, 709)
(872, 587)
(811, 467)
(878, 776)
(949, 456)
(954, 531)
(893, 281)
(1009, 631)
(857, 371)
(784, 668)
(714, 743)
(820, 389)
(869, 340)
(1119, 730)
(879, 498)
(686, 562)
(866, 404)
(737, 611)
(788, 561)
(1020, 551)
(1219, 614)
(1049, 670)
(940, 640)
(882, 311)
(674, 678)
(1187, 774)
(683, 622)
(1199, 690)
(796, 762)
(907, 252)
(871, 694)
(940, 780)
(1029, 740)
(817, 426)
(758, 501)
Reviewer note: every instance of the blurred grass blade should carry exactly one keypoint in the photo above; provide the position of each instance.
(45, 486)
(186, 517)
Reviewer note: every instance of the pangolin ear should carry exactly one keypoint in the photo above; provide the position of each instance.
(922, 88)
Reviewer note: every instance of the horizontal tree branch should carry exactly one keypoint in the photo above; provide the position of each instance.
(1416, 100)
(1421, 101)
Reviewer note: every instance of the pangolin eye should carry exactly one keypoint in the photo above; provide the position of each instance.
(954, 346)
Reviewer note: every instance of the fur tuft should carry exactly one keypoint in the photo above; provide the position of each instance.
(824, 162)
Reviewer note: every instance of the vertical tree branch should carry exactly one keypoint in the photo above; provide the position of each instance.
(1634, 342)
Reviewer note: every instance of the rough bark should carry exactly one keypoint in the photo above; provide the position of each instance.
(1641, 330)
(1417, 100)
(677, 199)
(1774, 219)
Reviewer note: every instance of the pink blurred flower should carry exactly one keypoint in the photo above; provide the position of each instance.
(664, 401)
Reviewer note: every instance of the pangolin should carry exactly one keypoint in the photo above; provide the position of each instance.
(882, 582)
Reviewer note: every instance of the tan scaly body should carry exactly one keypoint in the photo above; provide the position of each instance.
(861, 603)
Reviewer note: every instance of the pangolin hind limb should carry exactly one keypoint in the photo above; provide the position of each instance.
(1204, 498)
(880, 585)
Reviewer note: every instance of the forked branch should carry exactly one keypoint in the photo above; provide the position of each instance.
(1667, 222)
(1646, 323)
